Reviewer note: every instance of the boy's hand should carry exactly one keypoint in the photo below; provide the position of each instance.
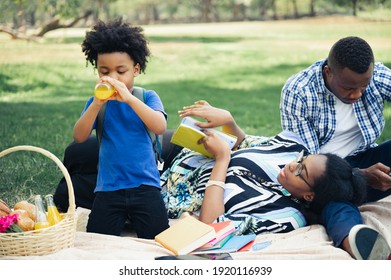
(122, 93)
(97, 102)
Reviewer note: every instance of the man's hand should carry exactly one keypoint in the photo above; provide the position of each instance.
(378, 176)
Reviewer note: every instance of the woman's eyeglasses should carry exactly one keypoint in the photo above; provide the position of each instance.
(299, 167)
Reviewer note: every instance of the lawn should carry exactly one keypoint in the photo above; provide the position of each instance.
(238, 66)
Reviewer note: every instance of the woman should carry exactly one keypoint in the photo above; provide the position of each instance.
(264, 185)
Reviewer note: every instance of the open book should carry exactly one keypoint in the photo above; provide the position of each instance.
(188, 134)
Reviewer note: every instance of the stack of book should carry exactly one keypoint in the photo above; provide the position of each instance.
(186, 235)
(224, 231)
(191, 236)
(236, 243)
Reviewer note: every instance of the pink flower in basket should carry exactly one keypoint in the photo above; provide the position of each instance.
(8, 224)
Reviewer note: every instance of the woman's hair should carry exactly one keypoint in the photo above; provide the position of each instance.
(351, 52)
(340, 182)
(116, 36)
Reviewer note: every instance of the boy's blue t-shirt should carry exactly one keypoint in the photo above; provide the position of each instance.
(126, 156)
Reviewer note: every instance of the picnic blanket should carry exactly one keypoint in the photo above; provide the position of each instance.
(305, 243)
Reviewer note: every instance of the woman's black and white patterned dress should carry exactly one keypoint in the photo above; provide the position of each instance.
(253, 198)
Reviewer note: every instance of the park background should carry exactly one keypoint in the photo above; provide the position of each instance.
(235, 54)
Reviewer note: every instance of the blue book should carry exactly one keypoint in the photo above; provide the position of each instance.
(234, 244)
(218, 245)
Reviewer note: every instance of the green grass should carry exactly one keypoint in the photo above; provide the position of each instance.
(237, 66)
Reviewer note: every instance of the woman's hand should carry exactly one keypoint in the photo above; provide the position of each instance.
(214, 117)
(215, 145)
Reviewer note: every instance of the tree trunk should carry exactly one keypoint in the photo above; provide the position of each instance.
(55, 24)
(21, 21)
(147, 18)
(16, 35)
(235, 11)
(274, 8)
(354, 2)
(295, 11)
(262, 8)
(52, 25)
(312, 8)
(205, 10)
(156, 15)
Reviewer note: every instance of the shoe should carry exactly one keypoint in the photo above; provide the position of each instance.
(368, 244)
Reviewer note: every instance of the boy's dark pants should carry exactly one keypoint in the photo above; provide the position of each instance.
(143, 206)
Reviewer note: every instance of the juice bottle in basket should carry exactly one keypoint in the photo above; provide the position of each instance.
(40, 214)
(54, 216)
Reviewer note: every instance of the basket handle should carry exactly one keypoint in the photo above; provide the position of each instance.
(63, 169)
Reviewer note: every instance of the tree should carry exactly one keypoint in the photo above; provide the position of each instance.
(60, 14)
(206, 9)
(354, 6)
(352, 3)
(312, 8)
(295, 10)
(55, 23)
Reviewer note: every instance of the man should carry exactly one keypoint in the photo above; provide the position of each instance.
(336, 105)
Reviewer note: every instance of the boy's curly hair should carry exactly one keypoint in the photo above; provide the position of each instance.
(116, 36)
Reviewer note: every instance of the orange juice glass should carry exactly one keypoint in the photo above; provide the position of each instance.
(103, 90)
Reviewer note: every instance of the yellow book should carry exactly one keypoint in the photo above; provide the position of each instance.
(186, 235)
(188, 134)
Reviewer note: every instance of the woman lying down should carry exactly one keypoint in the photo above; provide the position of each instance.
(264, 185)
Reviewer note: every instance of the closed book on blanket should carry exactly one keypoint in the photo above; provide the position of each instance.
(188, 134)
(185, 235)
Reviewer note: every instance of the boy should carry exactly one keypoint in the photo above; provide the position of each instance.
(128, 183)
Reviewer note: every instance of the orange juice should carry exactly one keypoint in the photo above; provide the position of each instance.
(53, 215)
(41, 225)
(103, 90)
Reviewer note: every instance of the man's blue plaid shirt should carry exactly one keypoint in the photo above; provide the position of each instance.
(308, 108)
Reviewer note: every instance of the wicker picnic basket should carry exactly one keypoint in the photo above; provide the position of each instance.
(48, 240)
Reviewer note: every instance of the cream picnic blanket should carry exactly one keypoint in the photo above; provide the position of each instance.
(306, 243)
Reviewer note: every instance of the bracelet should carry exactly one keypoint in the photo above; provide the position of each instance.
(215, 183)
